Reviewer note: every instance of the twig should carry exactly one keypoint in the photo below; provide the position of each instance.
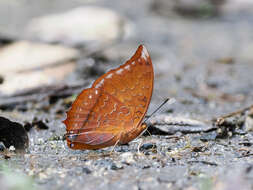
(241, 111)
(245, 155)
(38, 94)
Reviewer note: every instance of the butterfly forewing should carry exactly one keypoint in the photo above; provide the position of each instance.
(131, 83)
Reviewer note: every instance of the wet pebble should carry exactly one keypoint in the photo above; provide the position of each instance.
(40, 125)
(210, 136)
(145, 166)
(12, 148)
(116, 166)
(13, 134)
(28, 126)
(80, 170)
(108, 164)
(86, 170)
(148, 146)
(2, 147)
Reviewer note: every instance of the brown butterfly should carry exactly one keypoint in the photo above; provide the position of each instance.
(112, 110)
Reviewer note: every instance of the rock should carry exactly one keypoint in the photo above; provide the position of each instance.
(127, 158)
(38, 62)
(108, 164)
(210, 136)
(165, 124)
(192, 8)
(249, 123)
(13, 135)
(78, 26)
(86, 170)
(12, 148)
(2, 146)
(22, 56)
(116, 166)
(148, 146)
(40, 124)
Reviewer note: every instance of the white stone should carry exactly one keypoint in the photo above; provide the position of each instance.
(249, 124)
(127, 157)
(26, 65)
(79, 26)
(12, 148)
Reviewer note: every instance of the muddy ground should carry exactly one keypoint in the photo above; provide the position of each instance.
(202, 57)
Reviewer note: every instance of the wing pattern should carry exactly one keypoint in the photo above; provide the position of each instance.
(113, 108)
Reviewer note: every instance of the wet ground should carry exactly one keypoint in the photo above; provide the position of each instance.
(202, 58)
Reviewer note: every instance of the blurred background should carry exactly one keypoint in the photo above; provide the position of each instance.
(201, 50)
(52, 49)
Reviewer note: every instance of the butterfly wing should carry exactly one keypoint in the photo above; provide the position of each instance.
(100, 128)
(131, 84)
(78, 121)
(116, 103)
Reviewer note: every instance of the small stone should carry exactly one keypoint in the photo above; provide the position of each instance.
(145, 166)
(86, 170)
(40, 125)
(148, 146)
(116, 166)
(210, 136)
(2, 146)
(12, 148)
(249, 123)
(40, 141)
(127, 158)
(28, 126)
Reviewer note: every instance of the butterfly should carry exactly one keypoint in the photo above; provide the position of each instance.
(112, 110)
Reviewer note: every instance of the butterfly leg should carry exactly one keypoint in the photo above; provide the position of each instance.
(117, 142)
(142, 140)
(139, 146)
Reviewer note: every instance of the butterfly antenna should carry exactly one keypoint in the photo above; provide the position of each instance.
(149, 116)
(165, 101)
